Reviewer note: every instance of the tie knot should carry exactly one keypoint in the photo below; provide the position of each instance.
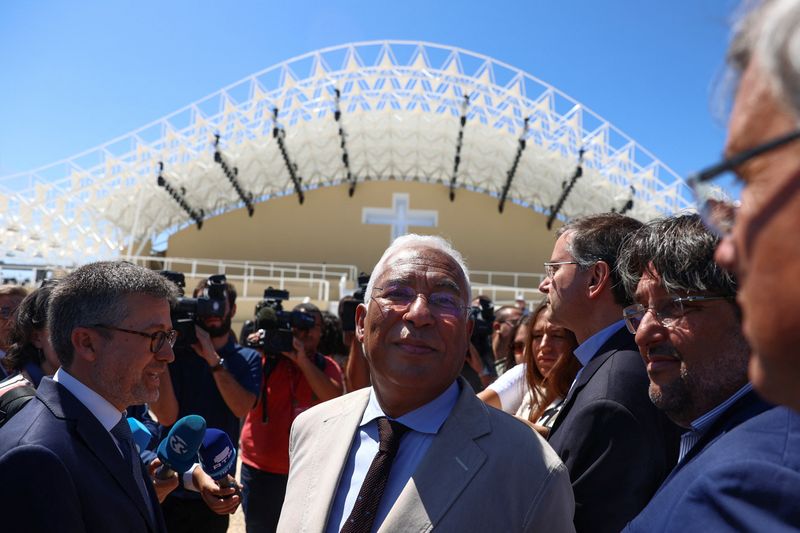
(390, 432)
(122, 431)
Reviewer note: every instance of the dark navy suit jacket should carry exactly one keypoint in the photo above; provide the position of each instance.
(744, 476)
(61, 471)
(617, 446)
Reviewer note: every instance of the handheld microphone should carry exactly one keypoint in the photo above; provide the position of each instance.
(218, 457)
(177, 452)
(141, 435)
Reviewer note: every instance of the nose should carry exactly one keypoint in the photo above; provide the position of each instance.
(546, 345)
(725, 254)
(544, 285)
(650, 332)
(419, 312)
(165, 353)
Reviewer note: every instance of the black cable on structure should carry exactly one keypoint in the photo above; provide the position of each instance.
(279, 133)
(628, 205)
(178, 196)
(337, 116)
(232, 174)
(567, 187)
(513, 169)
(459, 143)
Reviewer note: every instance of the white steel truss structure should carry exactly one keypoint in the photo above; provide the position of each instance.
(384, 110)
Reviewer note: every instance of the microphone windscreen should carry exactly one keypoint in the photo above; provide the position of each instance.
(266, 318)
(141, 435)
(179, 449)
(217, 454)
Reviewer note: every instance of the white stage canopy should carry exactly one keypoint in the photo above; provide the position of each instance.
(383, 110)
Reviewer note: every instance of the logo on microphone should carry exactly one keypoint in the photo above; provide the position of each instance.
(222, 457)
(177, 444)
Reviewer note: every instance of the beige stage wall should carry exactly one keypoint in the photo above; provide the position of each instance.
(328, 228)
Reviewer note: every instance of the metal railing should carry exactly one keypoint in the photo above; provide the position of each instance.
(252, 276)
(506, 279)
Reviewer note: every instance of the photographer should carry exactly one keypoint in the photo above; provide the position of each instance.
(212, 376)
(293, 381)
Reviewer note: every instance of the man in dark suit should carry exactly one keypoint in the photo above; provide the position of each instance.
(736, 458)
(67, 460)
(617, 446)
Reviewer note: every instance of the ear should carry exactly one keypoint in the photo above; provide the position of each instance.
(495, 325)
(233, 310)
(600, 279)
(83, 343)
(361, 315)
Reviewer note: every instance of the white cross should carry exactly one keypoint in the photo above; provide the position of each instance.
(400, 217)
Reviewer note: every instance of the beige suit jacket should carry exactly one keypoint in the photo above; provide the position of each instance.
(485, 471)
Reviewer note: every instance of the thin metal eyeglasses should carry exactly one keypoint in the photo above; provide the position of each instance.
(717, 210)
(667, 313)
(400, 298)
(157, 339)
(551, 267)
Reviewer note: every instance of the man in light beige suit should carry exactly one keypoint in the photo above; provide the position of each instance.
(459, 465)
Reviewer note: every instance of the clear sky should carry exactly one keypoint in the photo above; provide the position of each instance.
(74, 74)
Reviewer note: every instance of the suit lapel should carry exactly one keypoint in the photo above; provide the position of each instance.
(331, 448)
(451, 462)
(95, 438)
(742, 409)
(621, 340)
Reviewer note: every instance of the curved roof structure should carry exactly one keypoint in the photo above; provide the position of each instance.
(386, 110)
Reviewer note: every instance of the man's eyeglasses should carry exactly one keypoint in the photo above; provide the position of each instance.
(667, 313)
(717, 210)
(400, 298)
(551, 267)
(6, 312)
(157, 339)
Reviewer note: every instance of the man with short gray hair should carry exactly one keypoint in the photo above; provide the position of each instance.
(417, 450)
(69, 452)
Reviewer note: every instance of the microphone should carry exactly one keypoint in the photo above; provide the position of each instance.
(218, 457)
(141, 435)
(177, 452)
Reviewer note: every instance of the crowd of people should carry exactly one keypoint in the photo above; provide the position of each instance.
(655, 388)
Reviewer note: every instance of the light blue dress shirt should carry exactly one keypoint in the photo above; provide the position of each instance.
(424, 423)
(588, 349)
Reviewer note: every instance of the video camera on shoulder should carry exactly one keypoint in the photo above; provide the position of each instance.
(276, 323)
(190, 311)
(347, 311)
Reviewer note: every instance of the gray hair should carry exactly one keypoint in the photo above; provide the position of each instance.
(770, 33)
(95, 294)
(598, 238)
(427, 241)
(681, 250)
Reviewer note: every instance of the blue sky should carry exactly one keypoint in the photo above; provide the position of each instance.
(76, 74)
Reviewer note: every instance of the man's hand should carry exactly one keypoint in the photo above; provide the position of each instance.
(204, 347)
(163, 486)
(220, 500)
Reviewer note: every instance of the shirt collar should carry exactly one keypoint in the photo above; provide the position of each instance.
(589, 348)
(426, 419)
(106, 413)
(702, 423)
